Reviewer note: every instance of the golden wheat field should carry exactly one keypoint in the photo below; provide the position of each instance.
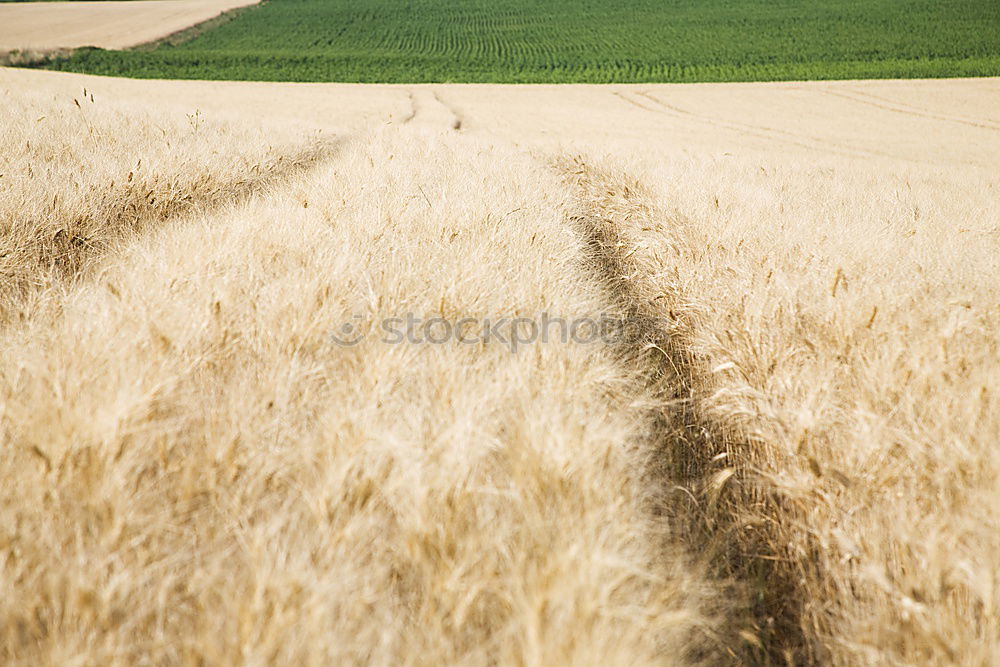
(763, 429)
(109, 24)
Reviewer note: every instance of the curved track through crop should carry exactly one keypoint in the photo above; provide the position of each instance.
(199, 468)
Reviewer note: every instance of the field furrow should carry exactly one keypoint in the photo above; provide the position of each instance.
(81, 178)
(809, 417)
(703, 469)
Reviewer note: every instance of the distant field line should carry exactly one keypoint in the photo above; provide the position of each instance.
(761, 132)
(898, 107)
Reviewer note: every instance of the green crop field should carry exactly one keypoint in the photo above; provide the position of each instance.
(576, 41)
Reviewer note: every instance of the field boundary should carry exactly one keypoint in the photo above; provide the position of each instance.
(196, 29)
(34, 58)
